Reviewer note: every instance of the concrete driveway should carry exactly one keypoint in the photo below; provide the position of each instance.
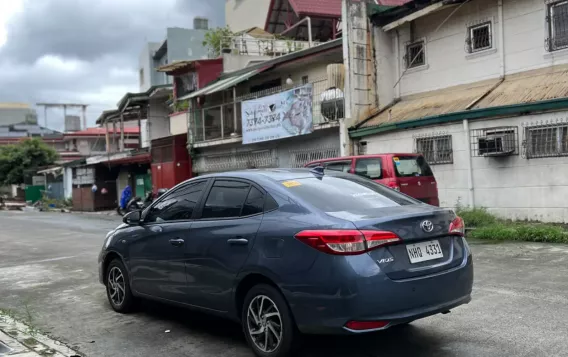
(48, 271)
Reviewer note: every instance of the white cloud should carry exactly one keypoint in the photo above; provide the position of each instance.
(8, 9)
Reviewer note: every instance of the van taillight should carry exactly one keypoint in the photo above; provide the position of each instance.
(394, 185)
(346, 242)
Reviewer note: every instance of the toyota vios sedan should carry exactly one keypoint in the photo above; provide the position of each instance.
(289, 251)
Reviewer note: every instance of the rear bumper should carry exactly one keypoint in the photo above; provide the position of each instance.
(369, 295)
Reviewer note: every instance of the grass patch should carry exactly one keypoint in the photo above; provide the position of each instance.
(483, 225)
(476, 217)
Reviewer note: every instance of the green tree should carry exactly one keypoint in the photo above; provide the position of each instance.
(23, 157)
(217, 38)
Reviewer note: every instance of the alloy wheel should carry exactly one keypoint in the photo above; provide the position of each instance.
(264, 324)
(117, 286)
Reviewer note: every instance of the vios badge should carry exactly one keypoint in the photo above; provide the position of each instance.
(427, 226)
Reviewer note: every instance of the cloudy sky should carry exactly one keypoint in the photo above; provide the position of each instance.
(84, 51)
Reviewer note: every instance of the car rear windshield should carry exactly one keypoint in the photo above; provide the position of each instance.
(410, 166)
(348, 193)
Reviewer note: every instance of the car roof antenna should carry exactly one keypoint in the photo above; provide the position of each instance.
(318, 171)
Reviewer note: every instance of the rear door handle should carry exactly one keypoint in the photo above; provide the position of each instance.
(177, 242)
(238, 241)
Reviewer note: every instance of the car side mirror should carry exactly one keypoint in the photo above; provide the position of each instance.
(132, 218)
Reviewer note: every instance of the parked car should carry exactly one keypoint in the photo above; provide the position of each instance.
(289, 251)
(407, 173)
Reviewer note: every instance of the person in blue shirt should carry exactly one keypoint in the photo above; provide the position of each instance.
(125, 197)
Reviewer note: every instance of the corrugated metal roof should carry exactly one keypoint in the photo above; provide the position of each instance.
(528, 87)
(437, 102)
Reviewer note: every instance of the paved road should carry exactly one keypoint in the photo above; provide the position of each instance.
(48, 267)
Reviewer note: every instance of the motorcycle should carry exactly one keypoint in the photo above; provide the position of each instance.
(136, 203)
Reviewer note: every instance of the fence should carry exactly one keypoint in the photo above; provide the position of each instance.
(269, 46)
(222, 122)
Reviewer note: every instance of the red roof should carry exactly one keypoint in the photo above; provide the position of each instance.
(96, 131)
(330, 8)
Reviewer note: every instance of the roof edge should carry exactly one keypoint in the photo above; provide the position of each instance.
(505, 110)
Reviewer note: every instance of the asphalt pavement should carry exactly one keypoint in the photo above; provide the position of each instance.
(48, 276)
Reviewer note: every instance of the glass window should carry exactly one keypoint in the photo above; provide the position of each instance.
(254, 203)
(410, 166)
(415, 56)
(341, 166)
(347, 195)
(558, 25)
(369, 168)
(225, 199)
(178, 205)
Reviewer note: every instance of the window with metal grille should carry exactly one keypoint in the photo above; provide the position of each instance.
(436, 150)
(557, 19)
(479, 38)
(547, 141)
(415, 55)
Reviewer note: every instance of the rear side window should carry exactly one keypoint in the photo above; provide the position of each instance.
(341, 166)
(226, 199)
(411, 166)
(254, 203)
(348, 194)
(369, 168)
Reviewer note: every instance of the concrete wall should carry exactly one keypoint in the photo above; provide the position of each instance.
(244, 14)
(146, 65)
(234, 62)
(178, 123)
(511, 187)
(447, 62)
(158, 122)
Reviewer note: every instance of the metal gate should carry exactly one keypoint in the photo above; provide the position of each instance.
(300, 157)
(209, 163)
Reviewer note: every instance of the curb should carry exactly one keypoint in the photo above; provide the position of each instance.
(22, 341)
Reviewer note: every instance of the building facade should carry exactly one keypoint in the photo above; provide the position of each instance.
(479, 88)
(180, 44)
(17, 113)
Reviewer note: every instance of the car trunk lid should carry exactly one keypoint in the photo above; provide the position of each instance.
(426, 247)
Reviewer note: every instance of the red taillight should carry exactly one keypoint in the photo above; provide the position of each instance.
(366, 325)
(346, 242)
(457, 226)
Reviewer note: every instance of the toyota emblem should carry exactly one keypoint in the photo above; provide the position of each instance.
(427, 226)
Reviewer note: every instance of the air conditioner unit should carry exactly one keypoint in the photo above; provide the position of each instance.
(497, 144)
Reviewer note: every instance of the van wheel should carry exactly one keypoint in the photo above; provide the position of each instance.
(118, 287)
(267, 322)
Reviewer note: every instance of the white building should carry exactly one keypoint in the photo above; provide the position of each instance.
(481, 88)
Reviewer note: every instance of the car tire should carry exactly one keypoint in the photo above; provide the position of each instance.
(118, 287)
(265, 309)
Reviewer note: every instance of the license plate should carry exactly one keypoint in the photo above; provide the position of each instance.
(423, 251)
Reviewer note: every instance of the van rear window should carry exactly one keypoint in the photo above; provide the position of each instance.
(411, 166)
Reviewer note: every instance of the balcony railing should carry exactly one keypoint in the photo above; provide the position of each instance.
(224, 121)
(270, 47)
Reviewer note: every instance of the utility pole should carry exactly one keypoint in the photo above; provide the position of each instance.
(64, 106)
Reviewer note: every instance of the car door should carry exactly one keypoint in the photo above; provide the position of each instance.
(221, 240)
(157, 257)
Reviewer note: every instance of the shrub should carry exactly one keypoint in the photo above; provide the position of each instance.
(476, 217)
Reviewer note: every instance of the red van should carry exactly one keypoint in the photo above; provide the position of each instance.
(407, 173)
